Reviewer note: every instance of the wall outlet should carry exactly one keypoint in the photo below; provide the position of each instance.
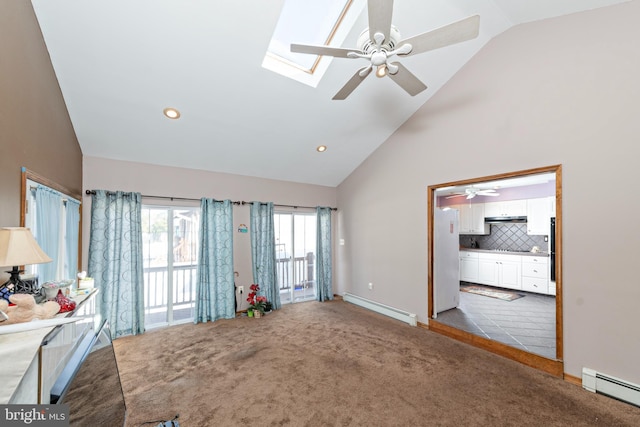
(241, 289)
(370, 285)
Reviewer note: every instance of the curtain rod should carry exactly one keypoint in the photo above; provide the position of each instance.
(32, 189)
(288, 206)
(89, 192)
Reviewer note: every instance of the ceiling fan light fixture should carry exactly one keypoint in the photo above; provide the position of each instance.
(171, 113)
(377, 44)
(321, 148)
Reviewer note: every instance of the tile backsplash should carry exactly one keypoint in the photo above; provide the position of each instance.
(512, 237)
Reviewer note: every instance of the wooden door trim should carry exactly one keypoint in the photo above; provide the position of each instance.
(554, 367)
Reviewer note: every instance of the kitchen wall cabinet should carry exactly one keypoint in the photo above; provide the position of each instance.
(535, 274)
(504, 271)
(505, 208)
(469, 266)
(538, 216)
(471, 219)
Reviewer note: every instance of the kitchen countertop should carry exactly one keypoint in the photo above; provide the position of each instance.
(493, 251)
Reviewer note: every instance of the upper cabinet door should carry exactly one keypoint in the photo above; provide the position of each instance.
(505, 208)
(538, 216)
(471, 219)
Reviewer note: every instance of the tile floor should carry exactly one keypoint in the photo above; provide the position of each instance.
(528, 323)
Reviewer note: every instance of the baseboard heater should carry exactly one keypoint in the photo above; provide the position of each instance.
(395, 313)
(613, 387)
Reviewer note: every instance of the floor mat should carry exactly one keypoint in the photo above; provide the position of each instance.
(491, 292)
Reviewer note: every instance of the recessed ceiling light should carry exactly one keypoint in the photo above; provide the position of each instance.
(321, 148)
(171, 113)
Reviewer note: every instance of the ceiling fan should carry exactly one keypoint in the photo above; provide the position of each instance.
(471, 192)
(381, 41)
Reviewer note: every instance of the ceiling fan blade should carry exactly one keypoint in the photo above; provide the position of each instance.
(353, 83)
(321, 50)
(380, 13)
(455, 195)
(488, 194)
(406, 80)
(460, 31)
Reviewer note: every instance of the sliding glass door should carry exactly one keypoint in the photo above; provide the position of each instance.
(170, 237)
(295, 255)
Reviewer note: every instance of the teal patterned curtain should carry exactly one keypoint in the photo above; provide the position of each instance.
(324, 278)
(48, 221)
(215, 291)
(72, 228)
(115, 259)
(263, 251)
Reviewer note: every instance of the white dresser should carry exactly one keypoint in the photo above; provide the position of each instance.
(34, 359)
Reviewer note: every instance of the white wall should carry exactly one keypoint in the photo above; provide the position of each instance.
(105, 174)
(560, 91)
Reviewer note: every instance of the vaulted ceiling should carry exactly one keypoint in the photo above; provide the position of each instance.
(121, 62)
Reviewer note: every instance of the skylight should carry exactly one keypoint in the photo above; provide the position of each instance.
(326, 22)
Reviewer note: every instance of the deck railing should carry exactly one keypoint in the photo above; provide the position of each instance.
(156, 284)
(298, 275)
(297, 272)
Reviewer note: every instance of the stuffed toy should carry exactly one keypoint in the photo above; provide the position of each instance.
(26, 309)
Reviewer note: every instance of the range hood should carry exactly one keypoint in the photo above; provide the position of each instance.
(505, 220)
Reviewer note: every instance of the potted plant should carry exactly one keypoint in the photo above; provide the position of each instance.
(257, 302)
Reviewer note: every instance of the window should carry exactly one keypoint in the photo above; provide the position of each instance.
(170, 251)
(318, 23)
(295, 235)
(65, 265)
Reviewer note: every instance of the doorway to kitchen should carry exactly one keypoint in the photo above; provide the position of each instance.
(528, 328)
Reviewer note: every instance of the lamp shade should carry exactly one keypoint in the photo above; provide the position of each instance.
(18, 247)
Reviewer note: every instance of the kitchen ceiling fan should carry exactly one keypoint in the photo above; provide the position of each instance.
(471, 192)
(381, 41)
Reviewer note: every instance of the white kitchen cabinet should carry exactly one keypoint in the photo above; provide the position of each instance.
(506, 208)
(469, 266)
(535, 274)
(488, 269)
(538, 216)
(510, 275)
(471, 219)
(500, 270)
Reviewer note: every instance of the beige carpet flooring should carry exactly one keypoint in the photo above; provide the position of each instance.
(336, 364)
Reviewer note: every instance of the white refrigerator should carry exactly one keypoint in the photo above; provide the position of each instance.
(446, 260)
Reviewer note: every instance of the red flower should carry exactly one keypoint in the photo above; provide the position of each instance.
(256, 302)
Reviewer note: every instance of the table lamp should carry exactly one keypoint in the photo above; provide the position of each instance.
(18, 247)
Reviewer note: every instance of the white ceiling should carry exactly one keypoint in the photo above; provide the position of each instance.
(527, 180)
(121, 62)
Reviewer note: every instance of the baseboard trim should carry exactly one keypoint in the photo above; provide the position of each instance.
(573, 379)
(423, 325)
